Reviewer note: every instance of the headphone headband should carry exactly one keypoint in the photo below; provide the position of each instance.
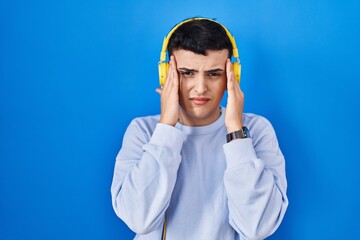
(163, 65)
(167, 38)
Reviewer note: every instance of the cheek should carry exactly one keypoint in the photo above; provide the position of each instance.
(184, 86)
(183, 92)
(219, 88)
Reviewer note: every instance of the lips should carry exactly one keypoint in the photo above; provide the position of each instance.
(199, 100)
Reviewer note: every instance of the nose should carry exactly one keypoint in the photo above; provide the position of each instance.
(200, 84)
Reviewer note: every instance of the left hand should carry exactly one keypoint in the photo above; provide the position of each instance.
(235, 102)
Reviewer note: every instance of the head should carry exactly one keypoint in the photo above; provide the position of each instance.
(200, 36)
(201, 49)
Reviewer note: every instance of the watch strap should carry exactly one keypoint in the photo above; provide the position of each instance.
(240, 134)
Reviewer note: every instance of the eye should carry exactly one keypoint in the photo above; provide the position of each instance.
(214, 74)
(187, 73)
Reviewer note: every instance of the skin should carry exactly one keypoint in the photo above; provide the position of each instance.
(194, 87)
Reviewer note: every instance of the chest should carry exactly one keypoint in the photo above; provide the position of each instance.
(202, 167)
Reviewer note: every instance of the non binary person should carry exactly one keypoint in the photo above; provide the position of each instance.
(199, 170)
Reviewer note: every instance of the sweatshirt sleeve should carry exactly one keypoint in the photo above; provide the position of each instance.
(145, 175)
(255, 182)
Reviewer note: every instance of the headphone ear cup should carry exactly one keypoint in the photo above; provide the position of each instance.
(236, 67)
(163, 69)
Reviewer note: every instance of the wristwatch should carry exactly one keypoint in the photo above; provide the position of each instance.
(240, 134)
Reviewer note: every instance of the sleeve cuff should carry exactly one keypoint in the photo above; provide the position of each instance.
(167, 136)
(238, 152)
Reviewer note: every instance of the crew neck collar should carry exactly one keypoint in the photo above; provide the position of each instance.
(204, 129)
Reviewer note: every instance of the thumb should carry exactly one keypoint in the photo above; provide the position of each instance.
(158, 90)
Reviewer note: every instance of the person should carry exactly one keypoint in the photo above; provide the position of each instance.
(199, 170)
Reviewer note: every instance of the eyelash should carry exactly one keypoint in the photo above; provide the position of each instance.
(186, 74)
(190, 74)
(214, 74)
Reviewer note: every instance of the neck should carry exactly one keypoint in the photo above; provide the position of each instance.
(189, 119)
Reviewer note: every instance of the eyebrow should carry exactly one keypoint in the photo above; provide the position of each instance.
(208, 71)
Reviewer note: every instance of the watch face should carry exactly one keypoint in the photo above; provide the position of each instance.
(246, 132)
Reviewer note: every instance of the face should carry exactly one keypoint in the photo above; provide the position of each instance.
(202, 85)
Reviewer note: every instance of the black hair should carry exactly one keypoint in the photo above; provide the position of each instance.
(198, 36)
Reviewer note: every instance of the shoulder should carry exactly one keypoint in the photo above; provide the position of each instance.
(146, 122)
(143, 125)
(259, 126)
(252, 120)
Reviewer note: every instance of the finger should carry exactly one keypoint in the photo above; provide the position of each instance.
(231, 79)
(174, 65)
(174, 71)
(172, 82)
(229, 75)
(167, 81)
(158, 90)
(228, 69)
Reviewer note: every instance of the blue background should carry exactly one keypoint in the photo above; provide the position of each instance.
(74, 73)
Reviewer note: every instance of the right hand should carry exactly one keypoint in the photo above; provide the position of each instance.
(170, 95)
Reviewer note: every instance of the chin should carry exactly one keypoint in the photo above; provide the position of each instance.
(199, 116)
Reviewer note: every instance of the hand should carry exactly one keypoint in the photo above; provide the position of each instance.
(170, 95)
(235, 102)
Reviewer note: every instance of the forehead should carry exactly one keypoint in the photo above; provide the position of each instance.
(189, 59)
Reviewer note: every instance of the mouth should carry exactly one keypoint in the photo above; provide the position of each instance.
(200, 100)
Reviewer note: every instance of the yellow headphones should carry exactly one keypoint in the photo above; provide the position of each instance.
(164, 66)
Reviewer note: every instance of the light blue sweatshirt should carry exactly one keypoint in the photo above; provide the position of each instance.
(207, 188)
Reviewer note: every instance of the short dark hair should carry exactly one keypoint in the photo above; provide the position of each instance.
(198, 36)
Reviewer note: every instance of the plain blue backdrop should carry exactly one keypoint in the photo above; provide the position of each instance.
(74, 73)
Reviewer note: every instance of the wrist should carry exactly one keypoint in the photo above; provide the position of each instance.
(234, 127)
(170, 123)
(238, 134)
